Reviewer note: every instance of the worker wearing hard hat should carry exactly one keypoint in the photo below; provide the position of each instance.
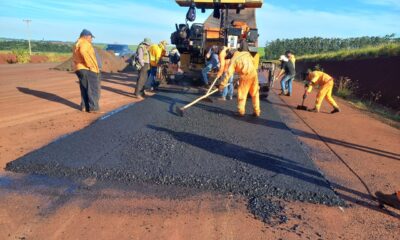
(243, 64)
(326, 86)
(143, 61)
(156, 51)
(227, 93)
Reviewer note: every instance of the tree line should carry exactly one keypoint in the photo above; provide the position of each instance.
(36, 46)
(315, 45)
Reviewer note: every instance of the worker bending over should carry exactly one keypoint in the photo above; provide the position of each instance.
(156, 51)
(245, 66)
(224, 64)
(326, 86)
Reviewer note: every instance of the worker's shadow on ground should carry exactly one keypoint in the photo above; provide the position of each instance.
(362, 199)
(275, 164)
(119, 78)
(263, 160)
(173, 102)
(49, 96)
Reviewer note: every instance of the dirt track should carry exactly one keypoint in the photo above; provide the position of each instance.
(31, 203)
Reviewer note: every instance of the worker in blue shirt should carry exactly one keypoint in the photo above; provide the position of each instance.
(212, 63)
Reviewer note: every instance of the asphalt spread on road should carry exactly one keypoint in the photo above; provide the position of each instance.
(208, 149)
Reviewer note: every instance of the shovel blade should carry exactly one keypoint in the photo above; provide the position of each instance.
(179, 111)
(301, 107)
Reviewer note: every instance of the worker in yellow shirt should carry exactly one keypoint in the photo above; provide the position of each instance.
(156, 52)
(87, 69)
(325, 83)
(244, 65)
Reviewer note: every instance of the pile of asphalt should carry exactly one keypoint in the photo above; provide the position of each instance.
(207, 149)
(110, 62)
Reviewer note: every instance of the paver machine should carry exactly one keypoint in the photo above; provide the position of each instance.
(232, 24)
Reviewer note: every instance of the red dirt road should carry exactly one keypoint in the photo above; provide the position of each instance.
(38, 105)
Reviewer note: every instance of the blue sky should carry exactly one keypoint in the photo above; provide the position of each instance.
(122, 21)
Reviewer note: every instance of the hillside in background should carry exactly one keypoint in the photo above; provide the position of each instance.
(7, 44)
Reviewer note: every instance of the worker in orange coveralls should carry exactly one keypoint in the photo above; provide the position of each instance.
(245, 65)
(227, 93)
(389, 199)
(326, 86)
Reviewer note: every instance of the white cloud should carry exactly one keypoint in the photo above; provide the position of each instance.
(389, 3)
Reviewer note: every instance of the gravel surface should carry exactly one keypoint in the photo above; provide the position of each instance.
(208, 149)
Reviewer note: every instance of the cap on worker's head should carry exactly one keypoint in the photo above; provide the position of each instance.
(86, 32)
(147, 41)
(283, 58)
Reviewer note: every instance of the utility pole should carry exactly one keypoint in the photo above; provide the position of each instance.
(28, 21)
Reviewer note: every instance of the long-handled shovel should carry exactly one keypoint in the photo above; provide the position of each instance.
(302, 107)
(207, 99)
(180, 110)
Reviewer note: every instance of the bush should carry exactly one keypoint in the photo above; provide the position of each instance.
(345, 87)
(22, 55)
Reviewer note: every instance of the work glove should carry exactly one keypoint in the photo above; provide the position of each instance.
(221, 87)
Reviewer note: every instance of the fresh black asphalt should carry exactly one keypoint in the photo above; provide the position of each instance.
(209, 148)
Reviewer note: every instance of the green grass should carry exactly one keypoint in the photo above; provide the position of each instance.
(386, 50)
(261, 52)
(52, 56)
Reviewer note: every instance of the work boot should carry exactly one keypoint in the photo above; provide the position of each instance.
(388, 199)
(239, 114)
(256, 114)
(221, 99)
(288, 94)
(335, 110)
(314, 110)
(230, 98)
(139, 97)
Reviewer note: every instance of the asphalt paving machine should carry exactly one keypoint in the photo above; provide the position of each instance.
(232, 24)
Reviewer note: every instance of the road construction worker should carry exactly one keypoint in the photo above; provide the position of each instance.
(326, 86)
(227, 93)
(87, 69)
(389, 199)
(156, 51)
(290, 55)
(175, 60)
(143, 65)
(244, 65)
(287, 74)
(212, 63)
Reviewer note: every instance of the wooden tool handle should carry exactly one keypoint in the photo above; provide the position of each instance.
(199, 99)
(212, 85)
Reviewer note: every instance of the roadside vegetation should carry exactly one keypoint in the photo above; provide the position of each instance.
(347, 89)
(384, 50)
(342, 47)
